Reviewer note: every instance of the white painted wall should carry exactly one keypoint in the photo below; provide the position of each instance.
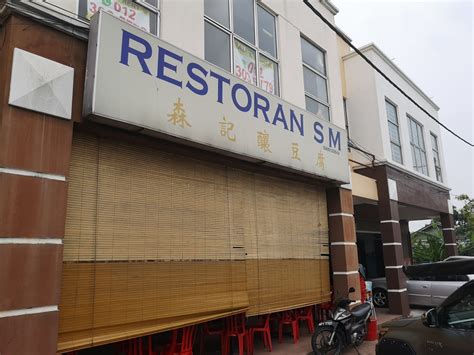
(367, 91)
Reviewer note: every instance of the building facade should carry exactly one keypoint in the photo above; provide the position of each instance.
(403, 178)
(149, 182)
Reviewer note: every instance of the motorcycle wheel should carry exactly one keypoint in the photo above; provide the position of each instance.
(320, 340)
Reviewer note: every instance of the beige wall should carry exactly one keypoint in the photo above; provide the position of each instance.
(362, 186)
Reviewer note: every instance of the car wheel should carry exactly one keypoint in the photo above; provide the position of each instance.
(380, 297)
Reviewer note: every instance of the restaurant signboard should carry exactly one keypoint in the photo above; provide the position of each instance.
(136, 80)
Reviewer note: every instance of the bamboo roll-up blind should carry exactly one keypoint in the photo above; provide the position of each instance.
(148, 244)
(156, 241)
(286, 235)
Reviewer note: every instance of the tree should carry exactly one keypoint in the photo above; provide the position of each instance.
(428, 244)
(464, 225)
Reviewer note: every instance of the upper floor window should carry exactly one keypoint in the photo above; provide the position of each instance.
(141, 13)
(436, 161)
(418, 152)
(315, 79)
(240, 36)
(394, 132)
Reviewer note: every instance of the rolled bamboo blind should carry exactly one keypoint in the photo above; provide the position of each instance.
(156, 241)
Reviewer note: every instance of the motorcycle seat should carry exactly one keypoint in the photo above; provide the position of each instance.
(361, 311)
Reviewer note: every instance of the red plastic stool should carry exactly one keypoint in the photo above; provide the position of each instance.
(264, 328)
(306, 314)
(288, 318)
(235, 327)
(185, 345)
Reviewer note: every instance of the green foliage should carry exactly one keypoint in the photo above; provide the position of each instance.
(428, 246)
(464, 225)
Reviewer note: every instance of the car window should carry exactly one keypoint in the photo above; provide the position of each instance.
(421, 278)
(460, 315)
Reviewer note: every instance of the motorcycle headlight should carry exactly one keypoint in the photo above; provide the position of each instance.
(382, 332)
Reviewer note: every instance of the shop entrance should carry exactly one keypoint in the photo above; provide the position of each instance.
(370, 250)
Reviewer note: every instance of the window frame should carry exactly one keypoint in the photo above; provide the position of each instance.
(316, 72)
(395, 106)
(414, 147)
(436, 151)
(258, 51)
(81, 4)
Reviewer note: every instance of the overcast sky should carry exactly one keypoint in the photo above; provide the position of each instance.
(432, 42)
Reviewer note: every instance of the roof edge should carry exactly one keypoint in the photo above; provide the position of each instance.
(386, 59)
(330, 6)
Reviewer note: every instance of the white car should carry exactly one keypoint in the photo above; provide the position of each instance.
(424, 291)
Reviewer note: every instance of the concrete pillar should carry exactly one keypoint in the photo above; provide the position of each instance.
(392, 244)
(342, 238)
(34, 163)
(447, 223)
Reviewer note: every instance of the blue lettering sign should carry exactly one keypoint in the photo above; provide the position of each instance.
(162, 64)
(141, 56)
(318, 132)
(199, 79)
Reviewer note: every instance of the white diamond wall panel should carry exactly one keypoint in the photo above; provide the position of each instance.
(41, 85)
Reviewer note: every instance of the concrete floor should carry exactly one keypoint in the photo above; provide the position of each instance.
(303, 347)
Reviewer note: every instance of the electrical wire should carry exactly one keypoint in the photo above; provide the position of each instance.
(344, 38)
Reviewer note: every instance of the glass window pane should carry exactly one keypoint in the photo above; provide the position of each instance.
(217, 46)
(313, 56)
(424, 164)
(391, 112)
(245, 66)
(315, 84)
(396, 153)
(434, 141)
(218, 10)
(318, 109)
(420, 137)
(244, 23)
(393, 132)
(266, 31)
(153, 3)
(268, 75)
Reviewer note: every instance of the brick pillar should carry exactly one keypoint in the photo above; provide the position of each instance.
(447, 223)
(342, 238)
(34, 163)
(392, 244)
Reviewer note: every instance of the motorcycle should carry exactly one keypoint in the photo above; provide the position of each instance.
(345, 327)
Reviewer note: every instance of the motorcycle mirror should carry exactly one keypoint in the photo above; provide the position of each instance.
(352, 289)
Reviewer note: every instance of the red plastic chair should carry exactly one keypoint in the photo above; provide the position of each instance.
(206, 331)
(135, 346)
(306, 314)
(235, 327)
(288, 318)
(185, 345)
(323, 311)
(264, 328)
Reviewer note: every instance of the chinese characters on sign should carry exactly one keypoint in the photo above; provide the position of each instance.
(263, 141)
(295, 150)
(178, 116)
(226, 129)
(320, 161)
